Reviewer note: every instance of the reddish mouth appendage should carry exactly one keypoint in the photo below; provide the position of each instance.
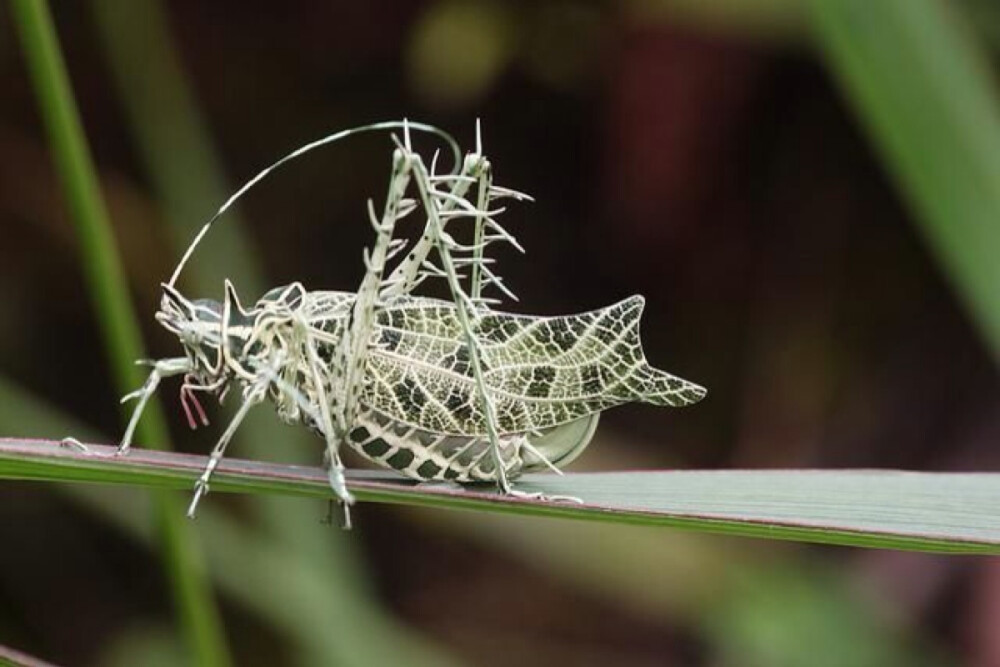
(188, 397)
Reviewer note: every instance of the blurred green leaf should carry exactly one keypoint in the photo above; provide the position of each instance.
(803, 614)
(923, 87)
(146, 645)
(752, 602)
(938, 512)
(458, 49)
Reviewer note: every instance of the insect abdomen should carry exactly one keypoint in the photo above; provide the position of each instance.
(426, 456)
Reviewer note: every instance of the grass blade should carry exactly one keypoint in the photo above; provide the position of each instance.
(936, 512)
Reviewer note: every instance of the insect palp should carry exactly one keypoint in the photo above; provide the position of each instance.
(188, 397)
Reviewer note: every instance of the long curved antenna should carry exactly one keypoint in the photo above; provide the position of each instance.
(329, 139)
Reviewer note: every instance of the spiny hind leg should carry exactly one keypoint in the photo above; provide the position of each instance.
(465, 310)
(335, 469)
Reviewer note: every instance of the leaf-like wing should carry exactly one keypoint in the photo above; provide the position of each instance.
(541, 371)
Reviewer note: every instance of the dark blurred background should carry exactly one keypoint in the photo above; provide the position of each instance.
(701, 154)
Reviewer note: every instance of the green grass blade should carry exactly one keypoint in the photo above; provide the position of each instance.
(104, 276)
(919, 82)
(937, 512)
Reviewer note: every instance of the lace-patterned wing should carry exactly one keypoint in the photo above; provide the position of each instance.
(541, 371)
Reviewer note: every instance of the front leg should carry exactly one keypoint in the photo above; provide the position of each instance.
(161, 368)
(254, 396)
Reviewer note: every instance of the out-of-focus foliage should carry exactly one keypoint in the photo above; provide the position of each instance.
(928, 96)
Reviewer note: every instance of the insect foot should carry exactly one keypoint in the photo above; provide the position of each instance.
(73, 443)
(335, 475)
(200, 489)
(339, 484)
(544, 497)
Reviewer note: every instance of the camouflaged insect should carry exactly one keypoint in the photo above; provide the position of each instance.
(436, 390)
